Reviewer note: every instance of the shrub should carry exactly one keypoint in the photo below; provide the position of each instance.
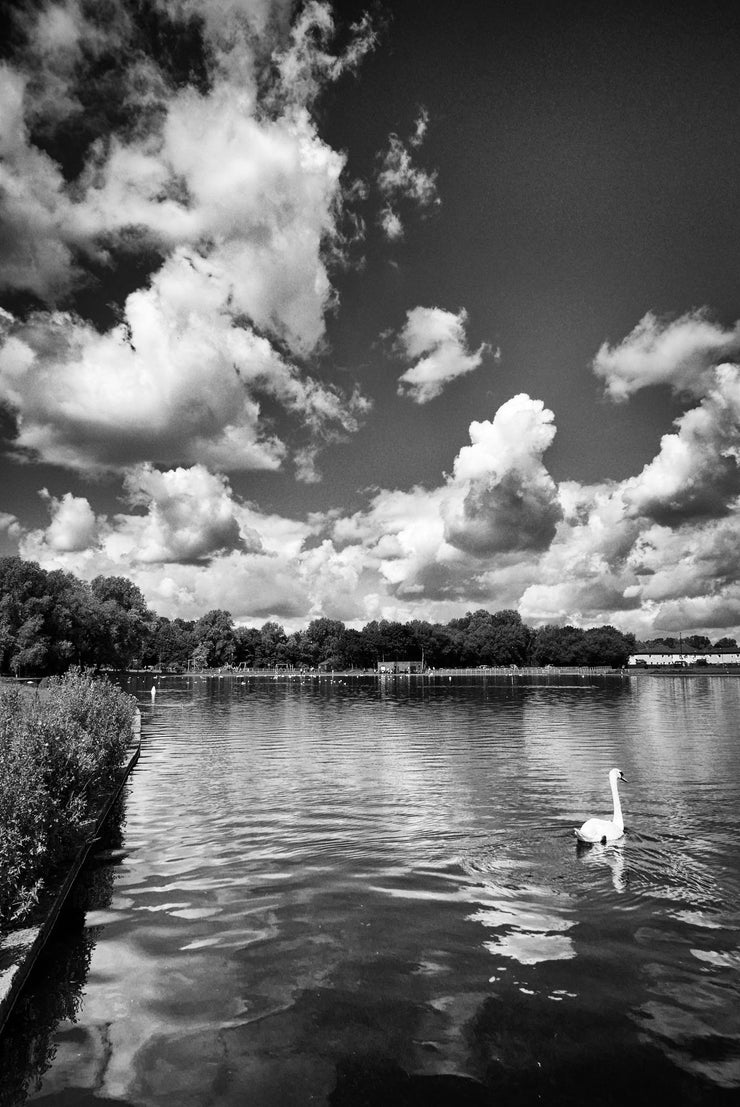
(57, 755)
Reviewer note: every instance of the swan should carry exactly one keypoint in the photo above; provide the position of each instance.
(605, 830)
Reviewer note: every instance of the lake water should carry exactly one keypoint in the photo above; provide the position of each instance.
(362, 891)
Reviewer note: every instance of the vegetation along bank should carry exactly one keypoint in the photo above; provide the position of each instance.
(59, 754)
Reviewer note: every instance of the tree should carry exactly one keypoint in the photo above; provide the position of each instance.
(44, 618)
(725, 644)
(555, 645)
(321, 642)
(173, 642)
(215, 640)
(126, 618)
(272, 646)
(248, 641)
(353, 651)
(698, 642)
(608, 646)
(31, 647)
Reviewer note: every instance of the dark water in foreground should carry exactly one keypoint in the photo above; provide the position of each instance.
(353, 893)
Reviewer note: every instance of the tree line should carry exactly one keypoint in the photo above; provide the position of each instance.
(51, 620)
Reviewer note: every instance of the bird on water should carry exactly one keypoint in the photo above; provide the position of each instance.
(605, 830)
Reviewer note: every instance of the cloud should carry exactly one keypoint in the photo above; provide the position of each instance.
(496, 532)
(435, 340)
(73, 526)
(696, 473)
(401, 182)
(177, 382)
(10, 524)
(390, 221)
(421, 125)
(191, 515)
(192, 545)
(306, 64)
(479, 533)
(508, 499)
(681, 353)
(242, 203)
(38, 228)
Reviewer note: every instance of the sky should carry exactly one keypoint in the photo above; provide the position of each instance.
(387, 310)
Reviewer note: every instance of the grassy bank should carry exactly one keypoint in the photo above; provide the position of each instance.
(58, 753)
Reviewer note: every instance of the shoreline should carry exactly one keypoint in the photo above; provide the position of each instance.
(20, 949)
(477, 671)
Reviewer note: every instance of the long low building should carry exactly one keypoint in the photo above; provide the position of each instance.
(685, 656)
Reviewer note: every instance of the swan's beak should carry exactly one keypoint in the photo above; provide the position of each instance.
(624, 778)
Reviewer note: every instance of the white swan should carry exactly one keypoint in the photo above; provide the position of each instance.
(605, 830)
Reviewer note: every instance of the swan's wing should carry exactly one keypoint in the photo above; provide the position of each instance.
(593, 830)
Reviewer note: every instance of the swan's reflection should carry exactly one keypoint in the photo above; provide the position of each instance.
(610, 854)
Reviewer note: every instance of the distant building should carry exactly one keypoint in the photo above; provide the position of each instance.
(400, 666)
(684, 656)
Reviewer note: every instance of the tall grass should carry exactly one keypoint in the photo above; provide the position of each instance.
(58, 755)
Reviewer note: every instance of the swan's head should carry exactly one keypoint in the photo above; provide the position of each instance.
(617, 774)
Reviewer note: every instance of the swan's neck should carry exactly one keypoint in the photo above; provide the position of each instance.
(618, 819)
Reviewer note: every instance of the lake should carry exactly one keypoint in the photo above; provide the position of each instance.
(364, 890)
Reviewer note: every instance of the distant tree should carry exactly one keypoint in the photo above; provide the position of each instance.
(248, 643)
(173, 642)
(431, 642)
(215, 640)
(698, 642)
(725, 644)
(389, 641)
(512, 638)
(353, 650)
(126, 618)
(608, 646)
(47, 620)
(121, 591)
(555, 645)
(273, 641)
(321, 642)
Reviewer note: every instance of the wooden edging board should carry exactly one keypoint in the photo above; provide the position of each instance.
(20, 949)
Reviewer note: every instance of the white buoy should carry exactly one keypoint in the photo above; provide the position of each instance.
(154, 691)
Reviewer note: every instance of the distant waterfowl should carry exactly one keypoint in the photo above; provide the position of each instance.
(153, 692)
(605, 830)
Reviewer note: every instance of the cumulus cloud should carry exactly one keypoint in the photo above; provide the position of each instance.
(509, 501)
(435, 340)
(73, 525)
(190, 544)
(243, 204)
(177, 381)
(496, 532)
(191, 515)
(696, 473)
(479, 533)
(679, 352)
